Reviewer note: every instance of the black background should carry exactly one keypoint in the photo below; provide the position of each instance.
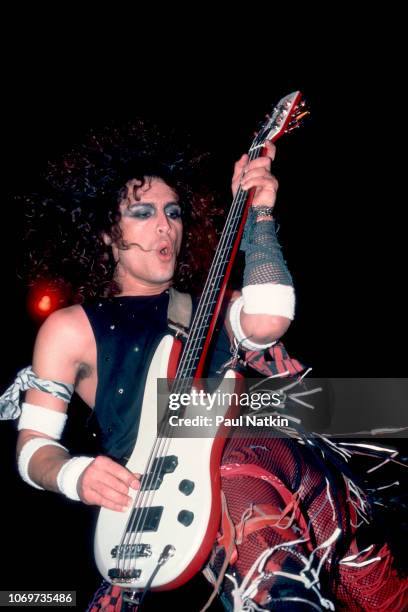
(341, 219)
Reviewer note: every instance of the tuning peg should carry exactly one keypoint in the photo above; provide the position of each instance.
(292, 126)
(299, 115)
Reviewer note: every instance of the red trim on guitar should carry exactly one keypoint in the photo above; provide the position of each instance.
(208, 541)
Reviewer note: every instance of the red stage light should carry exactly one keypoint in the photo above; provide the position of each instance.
(42, 300)
(44, 304)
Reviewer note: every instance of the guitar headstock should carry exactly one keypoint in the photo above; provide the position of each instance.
(286, 116)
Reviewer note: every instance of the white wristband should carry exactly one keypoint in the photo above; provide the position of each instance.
(27, 452)
(68, 476)
(41, 419)
(235, 314)
(269, 298)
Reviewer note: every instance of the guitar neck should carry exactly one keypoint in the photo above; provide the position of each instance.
(208, 308)
(286, 116)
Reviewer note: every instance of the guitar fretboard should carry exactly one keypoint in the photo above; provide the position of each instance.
(216, 277)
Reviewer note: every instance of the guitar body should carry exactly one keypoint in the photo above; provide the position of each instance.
(185, 507)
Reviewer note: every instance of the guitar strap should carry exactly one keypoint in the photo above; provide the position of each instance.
(179, 312)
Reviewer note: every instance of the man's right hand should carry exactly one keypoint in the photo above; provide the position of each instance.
(106, 483)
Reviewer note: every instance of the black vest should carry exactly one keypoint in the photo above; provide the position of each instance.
(127, 331)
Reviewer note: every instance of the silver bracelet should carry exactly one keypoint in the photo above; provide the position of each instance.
(262, 211)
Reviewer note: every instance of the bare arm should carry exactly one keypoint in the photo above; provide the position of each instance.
(58, 354)
(260, 328)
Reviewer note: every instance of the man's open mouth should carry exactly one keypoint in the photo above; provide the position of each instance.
(165, 251)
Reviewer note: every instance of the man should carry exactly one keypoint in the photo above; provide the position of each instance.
(125, 211)
(65, 349)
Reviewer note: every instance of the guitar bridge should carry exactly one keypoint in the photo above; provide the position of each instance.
(121, 575)
(131, 551)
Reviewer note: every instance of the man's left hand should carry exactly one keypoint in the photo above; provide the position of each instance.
(257, 173)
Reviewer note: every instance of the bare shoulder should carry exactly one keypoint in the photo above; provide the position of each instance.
(68, 325)
(72, 318)
(62, 341)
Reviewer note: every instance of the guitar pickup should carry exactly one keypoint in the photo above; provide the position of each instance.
(145, 519)
(152, 480)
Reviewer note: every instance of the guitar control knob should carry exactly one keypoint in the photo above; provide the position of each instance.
(186, 487)
(185, 517)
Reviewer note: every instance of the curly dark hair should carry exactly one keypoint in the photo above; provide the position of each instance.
(78, 201)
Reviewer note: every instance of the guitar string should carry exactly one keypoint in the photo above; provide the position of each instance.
(161, 442)
(228, 239)
(226, 242)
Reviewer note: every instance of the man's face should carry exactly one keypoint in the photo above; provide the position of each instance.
(152, 228)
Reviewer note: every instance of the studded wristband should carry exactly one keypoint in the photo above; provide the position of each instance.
(262, 211)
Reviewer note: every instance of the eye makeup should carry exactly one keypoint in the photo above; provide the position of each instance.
(145, 210)
(173, 211)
